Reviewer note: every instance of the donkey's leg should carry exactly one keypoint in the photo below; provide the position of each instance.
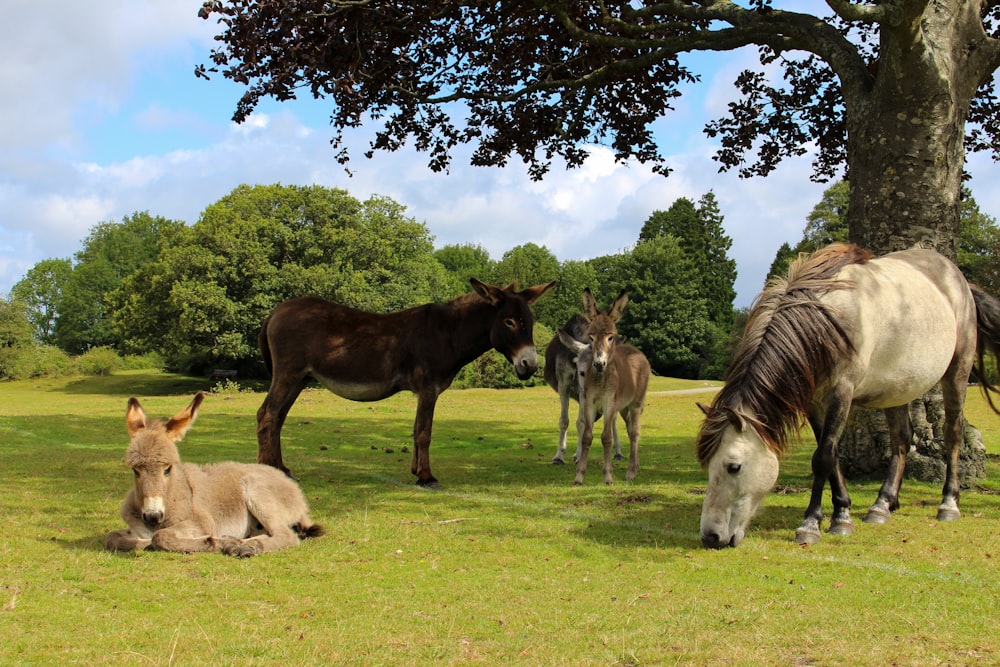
(954, 433)
(585, 429)
(828, 429)
(271, 417)
(618, 443)
(900, 437)
(559, 458)
(633, 416)
(607, 442)
(125, 540)
(422, 425)
(185, 537)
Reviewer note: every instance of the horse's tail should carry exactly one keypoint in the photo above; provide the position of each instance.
(265, 347)
(314, 530)
(988, 325)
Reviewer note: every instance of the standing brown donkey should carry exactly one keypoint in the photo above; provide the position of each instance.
(614, 382)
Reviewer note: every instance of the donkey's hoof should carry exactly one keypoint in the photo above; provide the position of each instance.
(805, 535)
(558, 461)
(619, 457)
(428, 483)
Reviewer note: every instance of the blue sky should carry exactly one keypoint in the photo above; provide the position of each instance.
(103, 117)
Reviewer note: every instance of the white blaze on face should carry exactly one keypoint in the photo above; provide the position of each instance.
(740, 475)
(152, 506)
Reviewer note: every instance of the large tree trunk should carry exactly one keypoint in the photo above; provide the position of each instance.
(905, 157)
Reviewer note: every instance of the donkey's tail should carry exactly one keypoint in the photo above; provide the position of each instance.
(314, 530)
(265, 347)
(988, 324)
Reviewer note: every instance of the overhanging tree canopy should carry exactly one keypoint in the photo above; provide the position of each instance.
(893, 90)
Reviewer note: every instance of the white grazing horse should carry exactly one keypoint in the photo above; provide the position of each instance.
(842, 329)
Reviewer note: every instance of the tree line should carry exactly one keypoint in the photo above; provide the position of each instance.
(193, 297)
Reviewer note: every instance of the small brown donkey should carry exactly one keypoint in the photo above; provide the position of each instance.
(239, 509)
(613, 381)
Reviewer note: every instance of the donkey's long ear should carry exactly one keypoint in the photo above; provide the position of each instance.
(491, 293)
(135, 418)
(618, 307)
(589, 304)
(531, 294)
(179, 424)
(570, 343)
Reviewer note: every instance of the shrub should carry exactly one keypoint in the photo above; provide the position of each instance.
(22, 362)
(99, 361)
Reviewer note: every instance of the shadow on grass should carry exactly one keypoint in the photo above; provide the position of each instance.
(149, 383)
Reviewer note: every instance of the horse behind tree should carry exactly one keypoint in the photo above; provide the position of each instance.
(239, 509)
(366, 356)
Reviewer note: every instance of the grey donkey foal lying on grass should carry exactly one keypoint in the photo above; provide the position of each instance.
(240, 509)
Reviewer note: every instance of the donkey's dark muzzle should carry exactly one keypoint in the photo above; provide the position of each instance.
(152, 519)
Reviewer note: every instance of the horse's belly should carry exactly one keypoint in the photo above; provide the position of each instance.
(901, 374)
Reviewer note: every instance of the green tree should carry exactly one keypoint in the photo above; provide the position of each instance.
(667, 315)
(111, 252)
(41, 292)
(530, 264)
(896, 90)
(979, 245)
(202, 303)
(466, 261)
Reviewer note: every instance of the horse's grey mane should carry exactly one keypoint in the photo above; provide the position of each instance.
(791, 338)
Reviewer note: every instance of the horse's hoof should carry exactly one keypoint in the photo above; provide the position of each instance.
(619, 457)
(841, 528)
(878, 515)
(557, 461)
(948, 514)
(807, 536)
(428, 483)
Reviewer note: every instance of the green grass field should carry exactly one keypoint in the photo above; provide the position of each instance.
(508, 563)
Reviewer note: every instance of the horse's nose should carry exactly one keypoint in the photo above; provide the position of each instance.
(712, 541)
(600, 365)
(152, 518)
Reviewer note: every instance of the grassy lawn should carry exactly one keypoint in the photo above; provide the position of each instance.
(508, 563)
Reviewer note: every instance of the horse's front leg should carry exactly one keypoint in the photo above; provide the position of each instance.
(825, 467)
(421, 462)
(900, 437)
(125, 540)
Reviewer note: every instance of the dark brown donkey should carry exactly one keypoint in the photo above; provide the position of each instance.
(368, 356)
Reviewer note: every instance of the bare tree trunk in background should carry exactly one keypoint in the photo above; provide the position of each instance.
(905, 151)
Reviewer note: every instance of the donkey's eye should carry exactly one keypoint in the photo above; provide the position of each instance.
(510, 323)
(135, 471)
(166, 471)
(611, 339)
(733, 468)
